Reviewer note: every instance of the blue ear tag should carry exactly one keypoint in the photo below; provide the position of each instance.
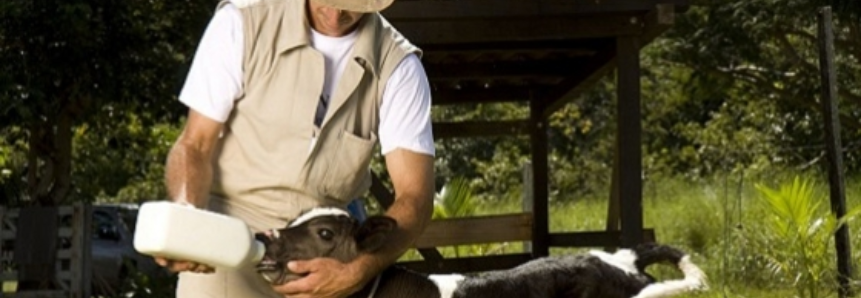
(356, 208)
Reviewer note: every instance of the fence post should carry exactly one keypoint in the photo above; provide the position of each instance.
(834, 147)
(81, 253)
(528, 198)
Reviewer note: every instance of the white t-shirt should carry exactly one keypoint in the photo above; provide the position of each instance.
(214, 83)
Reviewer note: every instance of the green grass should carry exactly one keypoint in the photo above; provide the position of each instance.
(720, 222)
(9, 286)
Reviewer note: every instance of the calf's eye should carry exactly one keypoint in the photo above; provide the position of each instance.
(326, 234)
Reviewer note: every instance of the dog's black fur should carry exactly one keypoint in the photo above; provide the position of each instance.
(343, 238)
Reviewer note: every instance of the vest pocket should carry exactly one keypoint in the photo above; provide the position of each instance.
(348, 167)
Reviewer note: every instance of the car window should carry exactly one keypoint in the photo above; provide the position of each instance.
(129, 218)
(103, 225)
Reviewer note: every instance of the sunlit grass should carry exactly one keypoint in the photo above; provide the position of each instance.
(709, 219)
(9, 286)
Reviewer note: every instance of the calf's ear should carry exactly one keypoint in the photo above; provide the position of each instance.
(374, 232)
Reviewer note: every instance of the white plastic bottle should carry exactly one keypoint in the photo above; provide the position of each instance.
(181, 232)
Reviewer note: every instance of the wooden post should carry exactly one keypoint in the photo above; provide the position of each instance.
(3, 250)
(82, 215)
(540, 177)
(613, 206)
(628, 139)
(834, 147)
(528, 198)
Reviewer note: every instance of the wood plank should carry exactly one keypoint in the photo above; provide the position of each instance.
(570, 47)
(450, 96)
(589, 74)
(381, 192)
(467, 9)
(466, 265)
(64, 254)
(654, 23)
(39, 294)
(450, 32)
(594, 238)
(442, 130)
(540, 179)
(476, 230)
(628, 123)
(552, 68)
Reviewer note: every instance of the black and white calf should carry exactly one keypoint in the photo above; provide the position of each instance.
(329, 232)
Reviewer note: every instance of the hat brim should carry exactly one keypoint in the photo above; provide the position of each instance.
(357, 5)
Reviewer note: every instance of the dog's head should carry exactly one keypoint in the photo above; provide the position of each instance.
(320, 233)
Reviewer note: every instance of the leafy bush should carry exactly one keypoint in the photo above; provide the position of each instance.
(796, 236)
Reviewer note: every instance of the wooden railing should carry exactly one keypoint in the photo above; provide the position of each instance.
(72, 277)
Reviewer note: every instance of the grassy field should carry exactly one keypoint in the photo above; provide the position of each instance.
(720, 222)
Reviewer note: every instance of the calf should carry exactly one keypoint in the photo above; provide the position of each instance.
(332, 233)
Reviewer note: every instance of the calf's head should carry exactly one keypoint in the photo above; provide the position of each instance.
(320, 233)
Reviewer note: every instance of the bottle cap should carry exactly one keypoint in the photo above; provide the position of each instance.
(259, 250)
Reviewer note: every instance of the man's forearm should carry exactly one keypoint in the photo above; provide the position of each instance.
(188, 175)
(412, 215)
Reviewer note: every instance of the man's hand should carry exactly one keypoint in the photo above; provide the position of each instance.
(324, 278)
(180, 266)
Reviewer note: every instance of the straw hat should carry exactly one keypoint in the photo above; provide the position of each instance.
(357, 5)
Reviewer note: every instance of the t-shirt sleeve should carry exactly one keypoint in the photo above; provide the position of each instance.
(215, 78)
(405, 120)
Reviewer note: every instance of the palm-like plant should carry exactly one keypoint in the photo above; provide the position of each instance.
(800, 231)
(454, 200)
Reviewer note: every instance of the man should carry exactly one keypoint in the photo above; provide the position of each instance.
(286, 99)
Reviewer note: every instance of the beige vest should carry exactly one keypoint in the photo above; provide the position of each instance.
(267, 154)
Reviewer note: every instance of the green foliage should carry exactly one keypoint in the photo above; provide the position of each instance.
(456, 200)
(80, 67)
(754, 75)
(799, 232)
(142, 285)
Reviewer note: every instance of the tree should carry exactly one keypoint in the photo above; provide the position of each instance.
(754, 69)
(69, 63)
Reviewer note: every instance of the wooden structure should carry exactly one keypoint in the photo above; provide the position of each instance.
(543, 53)
(72, 264)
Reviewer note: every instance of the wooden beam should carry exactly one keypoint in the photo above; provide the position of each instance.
(466, 265)
(628, 117)
(570, 46)
(448, 96)
(655, 22)
(540, 177)
(443, 130)
(476, 230)
(381, 192)
(589, 73)
(501, 70)
(594, 238)
(449, 32)
(419, 10)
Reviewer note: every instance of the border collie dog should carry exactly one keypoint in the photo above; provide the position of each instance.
(332, 233)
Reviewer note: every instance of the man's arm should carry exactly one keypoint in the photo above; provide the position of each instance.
(413, 179)
(412, 176)
(188, 172)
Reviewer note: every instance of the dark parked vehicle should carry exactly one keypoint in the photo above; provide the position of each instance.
(113, 254)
